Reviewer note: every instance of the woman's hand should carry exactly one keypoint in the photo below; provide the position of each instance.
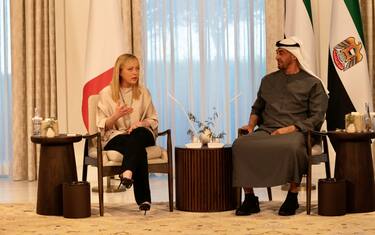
(122, 110)
(136, 125)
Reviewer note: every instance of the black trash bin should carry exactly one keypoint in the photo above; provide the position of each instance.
(331, 197)
(76, 199)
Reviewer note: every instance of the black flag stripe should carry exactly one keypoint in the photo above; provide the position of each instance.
(339, 102)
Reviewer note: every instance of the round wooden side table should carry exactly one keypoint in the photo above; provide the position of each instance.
(204, 179)
(354, 164)
(57, 165)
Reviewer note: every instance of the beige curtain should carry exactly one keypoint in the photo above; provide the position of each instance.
(137, 32)
(274, 31)
(368, 14)
(33, 77)
(133, 27)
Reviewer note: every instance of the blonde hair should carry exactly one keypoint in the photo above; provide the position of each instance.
(116, 77)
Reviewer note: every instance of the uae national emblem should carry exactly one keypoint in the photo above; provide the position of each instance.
(347, 53)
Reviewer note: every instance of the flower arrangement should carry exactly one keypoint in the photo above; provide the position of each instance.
(207, 128)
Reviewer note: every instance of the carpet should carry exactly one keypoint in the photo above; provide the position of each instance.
(126, 219)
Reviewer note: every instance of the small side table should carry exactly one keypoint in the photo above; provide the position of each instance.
(57, 165)
(354, 164)
(204, 179)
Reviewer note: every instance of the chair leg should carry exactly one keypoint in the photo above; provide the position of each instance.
(328, 169)
(84, 172)
(269, 192)
(170, 191)
(238, 197)
(109, 181)
(308, 190)
(100, 192)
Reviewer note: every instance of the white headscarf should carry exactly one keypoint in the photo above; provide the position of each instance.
(294, 46)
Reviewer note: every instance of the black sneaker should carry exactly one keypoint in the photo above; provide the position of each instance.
(249, 206)
(290, 205)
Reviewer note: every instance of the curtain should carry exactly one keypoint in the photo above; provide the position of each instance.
(137, 35)
(368, 14)
(33, 77)
(274, 30)
(5, 90)
(209, 56)
(368, 21)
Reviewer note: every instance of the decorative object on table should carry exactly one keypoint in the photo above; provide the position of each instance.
(193, 131)
(205, 136)
(193, 145)
(355, 122)
(349, 123)
(37, 122)
(372, 118)
(195, 142)
(367, 119)
(207, 128)
(215, 145)
(49, 127)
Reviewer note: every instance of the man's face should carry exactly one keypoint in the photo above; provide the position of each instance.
(284, 58)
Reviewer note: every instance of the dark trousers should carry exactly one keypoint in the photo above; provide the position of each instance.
(133, 148)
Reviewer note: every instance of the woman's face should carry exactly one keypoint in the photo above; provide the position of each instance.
(129, 73)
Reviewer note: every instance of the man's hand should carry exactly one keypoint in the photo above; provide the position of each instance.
(253, 120)
(248, 128)
(285, 130)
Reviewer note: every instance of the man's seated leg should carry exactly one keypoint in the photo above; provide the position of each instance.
(250, 205)
(290, 204)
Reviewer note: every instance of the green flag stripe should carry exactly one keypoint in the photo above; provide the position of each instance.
(308, 9)
(355, 12)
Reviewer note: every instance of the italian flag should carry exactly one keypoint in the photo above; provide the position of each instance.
(105, 42)
(298, 22)
(348, 78)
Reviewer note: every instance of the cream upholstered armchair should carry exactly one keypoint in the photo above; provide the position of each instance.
(316, 155)
(108, 163)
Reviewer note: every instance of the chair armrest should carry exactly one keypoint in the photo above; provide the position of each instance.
(242, 131)
(169, 146)
(169, 138)
(166, 132)
(91, 136)
(310, 134)
(88, 137)
(317, 133)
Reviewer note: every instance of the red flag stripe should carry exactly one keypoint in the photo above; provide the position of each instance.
(93, 87)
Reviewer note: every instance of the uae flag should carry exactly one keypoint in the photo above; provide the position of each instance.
(348, 78)
(298, 23)
(105, 42)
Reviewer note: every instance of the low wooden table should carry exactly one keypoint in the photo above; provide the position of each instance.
(57, 165)
(354, 164)
(204, 179)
